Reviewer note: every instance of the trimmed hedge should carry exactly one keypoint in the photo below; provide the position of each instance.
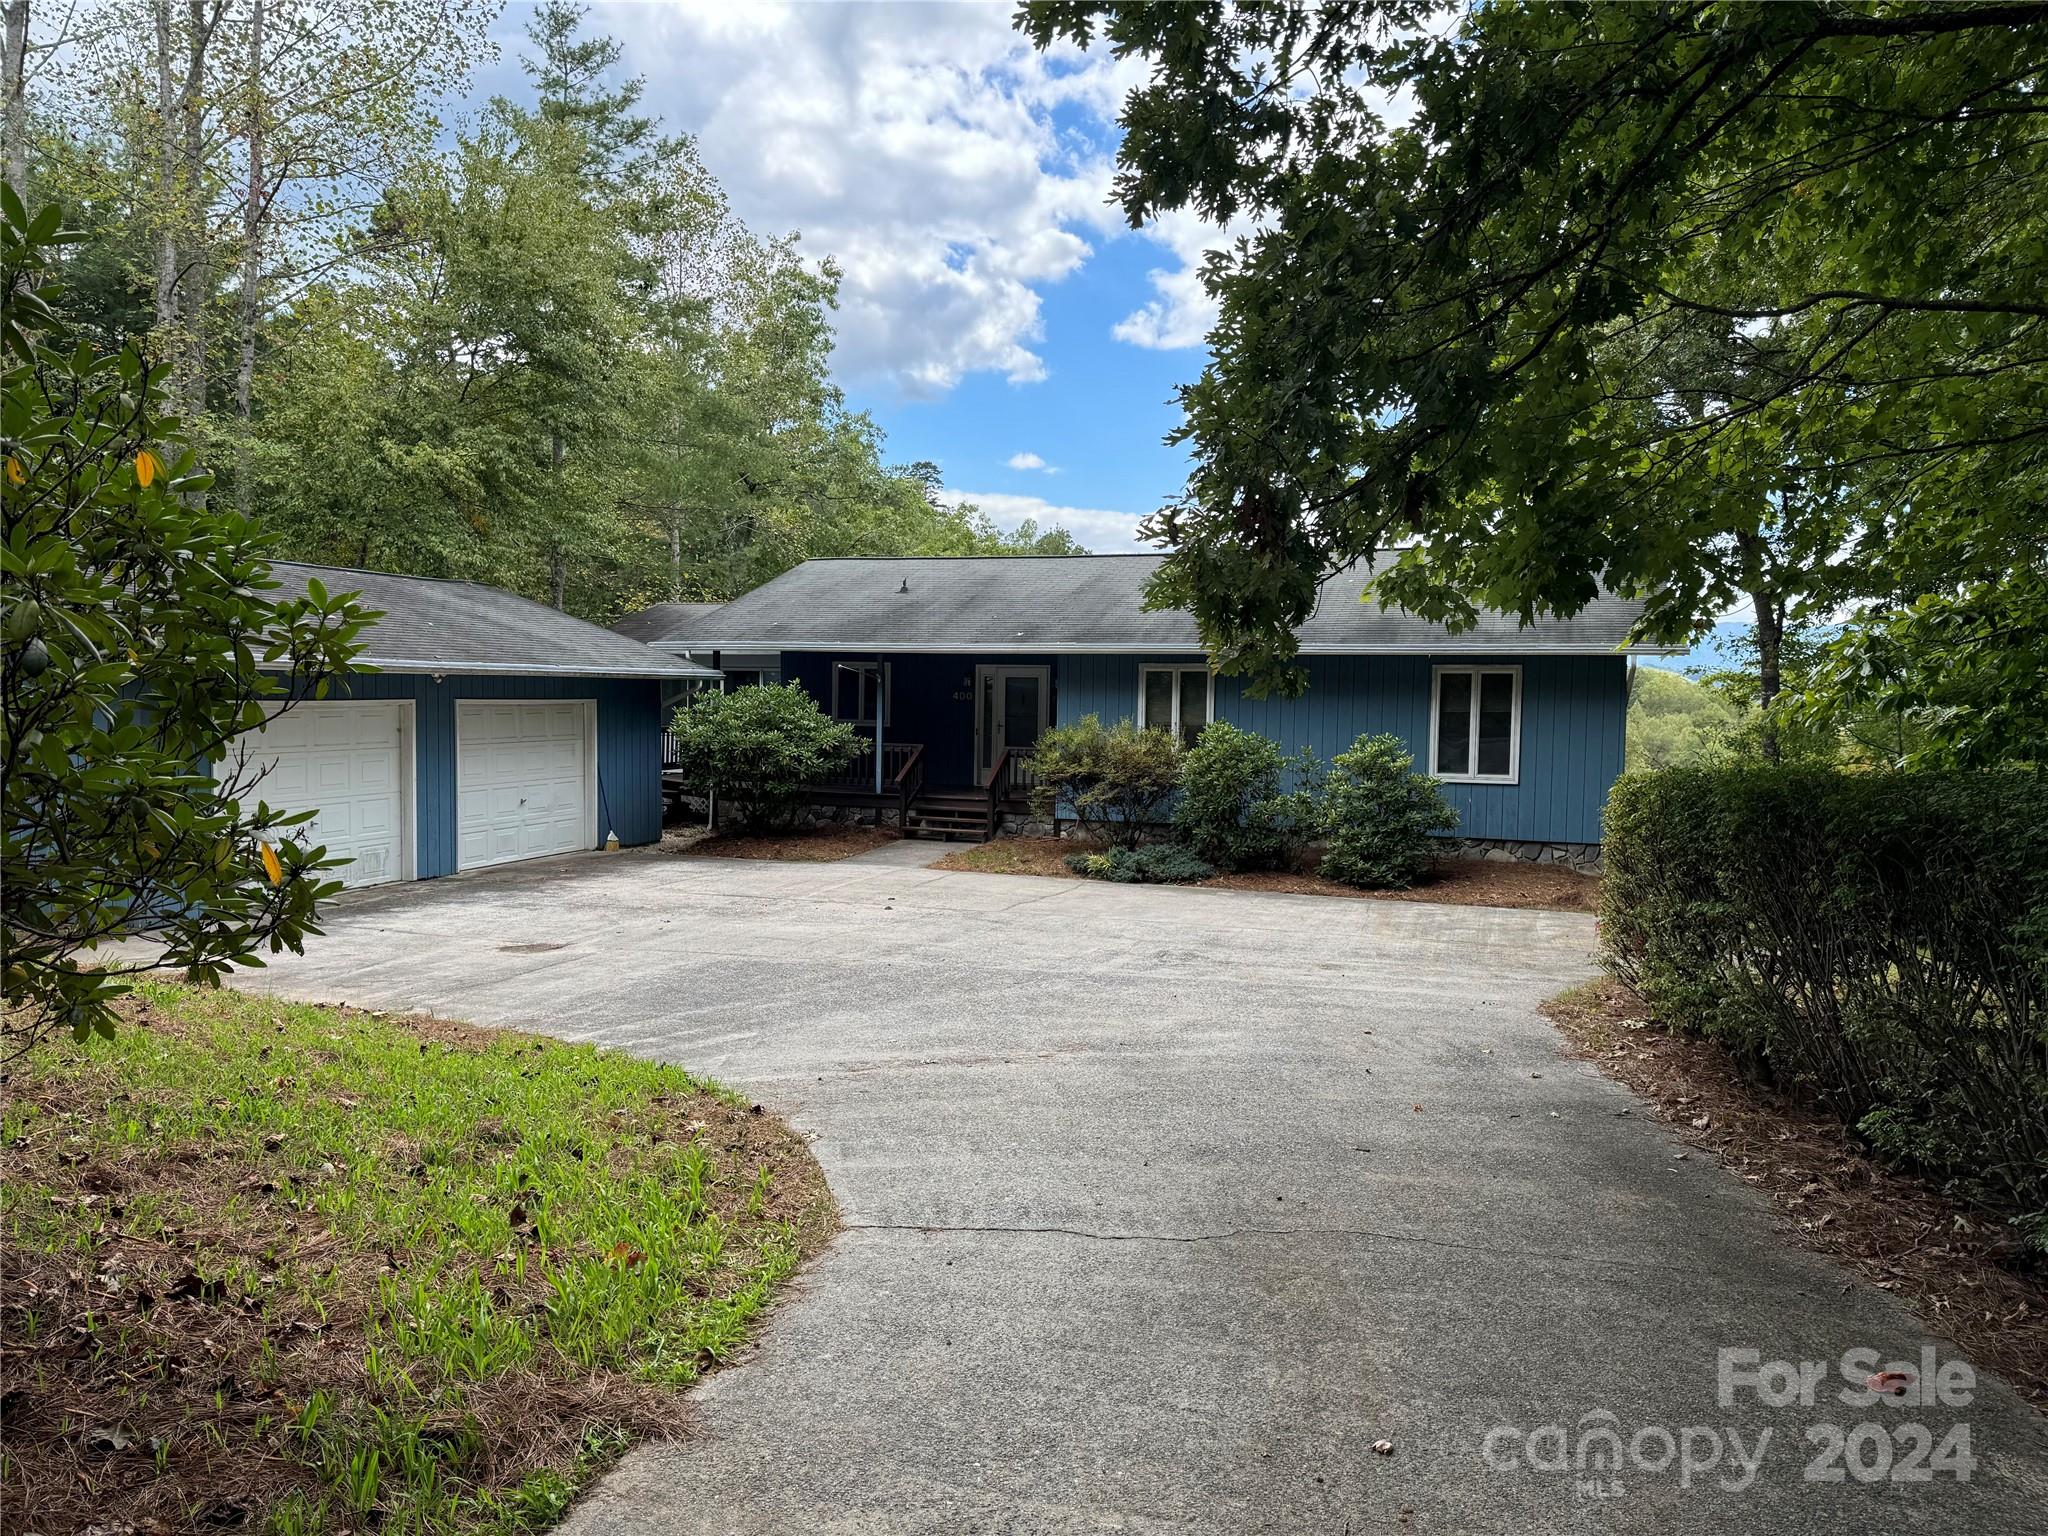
(1878, 942)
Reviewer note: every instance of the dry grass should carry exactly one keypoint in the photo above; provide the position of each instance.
(302, 1269)
(1456, 882)
(1965, 1274)
(819, 845)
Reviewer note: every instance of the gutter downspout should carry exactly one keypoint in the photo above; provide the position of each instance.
(881, 693)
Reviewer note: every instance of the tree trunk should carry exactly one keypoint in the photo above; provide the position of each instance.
(675, 562)
(1770, 637)
(167, 185)
(14, 94)
(197, 278)
(249, 305)
(560, 571)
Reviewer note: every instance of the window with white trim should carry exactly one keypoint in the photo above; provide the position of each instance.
(1475, 724)
(1177, 699)
(853, 692)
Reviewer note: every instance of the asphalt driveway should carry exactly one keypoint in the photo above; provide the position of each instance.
(1163, 1207)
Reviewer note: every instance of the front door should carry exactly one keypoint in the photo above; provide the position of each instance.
(1011, 706)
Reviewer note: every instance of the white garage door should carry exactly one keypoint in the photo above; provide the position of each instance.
(347, 762)
(522, 780)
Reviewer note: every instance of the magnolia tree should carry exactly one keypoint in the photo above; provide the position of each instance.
(138, 640)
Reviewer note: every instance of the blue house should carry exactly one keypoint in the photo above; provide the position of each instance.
(493, 729)
(951, 667)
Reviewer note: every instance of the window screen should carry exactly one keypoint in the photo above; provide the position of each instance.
(1454, 723)
(1158, 701)
(1496, 724)
(1194, 706)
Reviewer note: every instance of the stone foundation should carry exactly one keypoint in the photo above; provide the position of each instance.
(1583, 857)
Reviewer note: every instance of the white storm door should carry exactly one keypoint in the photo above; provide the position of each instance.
(525, 779)
(347, 761)
(1011, 708)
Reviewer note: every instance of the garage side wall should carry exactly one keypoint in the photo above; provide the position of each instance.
(628, 748)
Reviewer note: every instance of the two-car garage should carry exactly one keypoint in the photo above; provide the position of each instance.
(525, 780)
(492, 729)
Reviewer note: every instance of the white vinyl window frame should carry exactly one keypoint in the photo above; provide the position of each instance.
(864, 669)
(1436, 715)
(1176, 672)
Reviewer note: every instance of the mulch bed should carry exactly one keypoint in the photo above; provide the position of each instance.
(1963, 1271)
(1455, 882)
(820, 845)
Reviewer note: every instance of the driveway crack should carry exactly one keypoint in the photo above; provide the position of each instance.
(1238, 1234)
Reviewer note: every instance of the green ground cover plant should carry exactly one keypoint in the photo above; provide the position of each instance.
(1153, 864)
(305, 1269)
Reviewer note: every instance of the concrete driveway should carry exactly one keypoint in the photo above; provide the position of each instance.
(1164, 1206)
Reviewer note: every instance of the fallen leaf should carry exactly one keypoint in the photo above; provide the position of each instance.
(1891, 1383)
(1383, 1447)
(191, 1285)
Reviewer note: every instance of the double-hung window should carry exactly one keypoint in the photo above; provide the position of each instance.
(1475, 724)
(1175, 699)
(854, 686)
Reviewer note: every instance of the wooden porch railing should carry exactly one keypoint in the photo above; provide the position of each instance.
(908, 783)
(858, 774)
(902, 763)
(1010, 779)
(1022, 779)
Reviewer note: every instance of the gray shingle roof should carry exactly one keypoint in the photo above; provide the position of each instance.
(1080, 603)
(666, 623)
(431, 625)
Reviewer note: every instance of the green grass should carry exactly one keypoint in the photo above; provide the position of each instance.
(321, 1269)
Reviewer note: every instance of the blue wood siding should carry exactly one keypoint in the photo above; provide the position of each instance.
(628, 748)
(1573, 709)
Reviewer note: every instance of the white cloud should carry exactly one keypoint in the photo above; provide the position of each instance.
(1097, 528)
(1183, 312)
(1030, 461)
(915, 145)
